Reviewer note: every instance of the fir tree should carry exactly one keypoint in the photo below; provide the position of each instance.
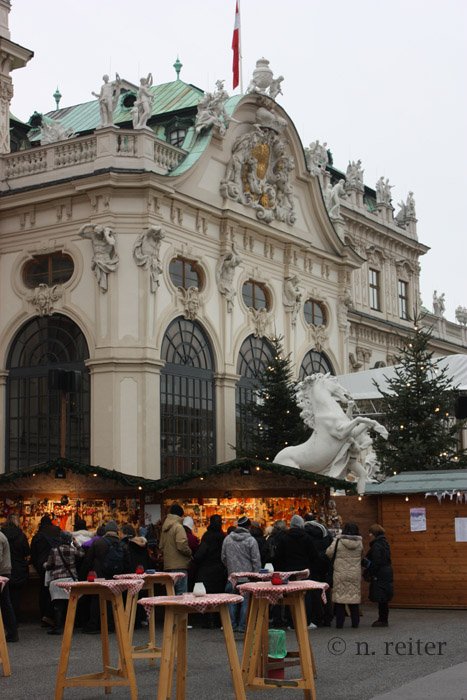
(276, 420)
(418, 409)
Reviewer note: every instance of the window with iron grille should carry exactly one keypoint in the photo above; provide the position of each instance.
(254, 356)
(44, 423)
(188, 426)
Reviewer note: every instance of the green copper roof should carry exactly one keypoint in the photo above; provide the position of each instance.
(421, 482)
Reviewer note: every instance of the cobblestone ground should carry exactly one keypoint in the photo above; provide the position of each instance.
(353, 664)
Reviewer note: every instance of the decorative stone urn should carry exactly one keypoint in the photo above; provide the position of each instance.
(262, 75)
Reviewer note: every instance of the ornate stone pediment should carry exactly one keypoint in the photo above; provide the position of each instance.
(258, 174)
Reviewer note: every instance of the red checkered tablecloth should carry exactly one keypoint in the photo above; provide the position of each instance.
(273, 593)
(3, 580)
(174, 575)
(131, 585)
(285, 575)
(198, 603)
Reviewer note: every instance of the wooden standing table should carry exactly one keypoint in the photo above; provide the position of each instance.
(108, 591)
(174, 638)
(4, 658)
(164, 578)
(255, 649)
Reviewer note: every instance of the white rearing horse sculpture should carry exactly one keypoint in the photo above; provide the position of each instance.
(336, 438)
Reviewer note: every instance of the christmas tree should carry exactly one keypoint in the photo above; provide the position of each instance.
(276, 416)
(418, 409)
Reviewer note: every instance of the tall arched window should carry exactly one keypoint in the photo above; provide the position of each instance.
(188, 425)
(47, 393)
(254, 356)
(315, 362)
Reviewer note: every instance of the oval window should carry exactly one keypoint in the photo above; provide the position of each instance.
(255, 295)
(314, 313)
(54, 268)
(185, 273)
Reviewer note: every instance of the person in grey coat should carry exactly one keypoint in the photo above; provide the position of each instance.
(240, 552)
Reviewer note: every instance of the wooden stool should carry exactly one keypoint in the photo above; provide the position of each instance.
(110, 591)
(165, 578)
(4, 658)
(256, 665)
(174, 638)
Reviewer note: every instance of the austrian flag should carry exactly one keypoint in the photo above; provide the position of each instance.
(236, 47)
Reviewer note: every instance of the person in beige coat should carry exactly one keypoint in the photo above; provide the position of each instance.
(174, 546)
(346, 583)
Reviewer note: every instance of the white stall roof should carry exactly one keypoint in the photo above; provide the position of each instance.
(360, 384)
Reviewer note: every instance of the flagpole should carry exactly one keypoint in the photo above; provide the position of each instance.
(240, 47)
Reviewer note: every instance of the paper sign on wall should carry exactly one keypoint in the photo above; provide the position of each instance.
(417, 519)
(461, 529)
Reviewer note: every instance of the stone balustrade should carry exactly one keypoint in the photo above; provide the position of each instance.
(106, 148)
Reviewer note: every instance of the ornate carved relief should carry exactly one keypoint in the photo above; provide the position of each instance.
(44, 297)
(260, 319)
(319, 335)
(146, 253)
(190, 301)
(258, 174)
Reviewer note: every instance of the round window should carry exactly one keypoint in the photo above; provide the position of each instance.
(255, 295)
(185, 273)
(314, 313)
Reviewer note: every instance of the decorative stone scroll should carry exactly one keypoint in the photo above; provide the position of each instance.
(146, 253)
(258, 174)
(104, 245)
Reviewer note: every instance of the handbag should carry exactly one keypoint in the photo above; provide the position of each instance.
(331, 566)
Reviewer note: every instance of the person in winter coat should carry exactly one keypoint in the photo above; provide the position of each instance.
(137, 548)
(61, 564)
(81, 533)
(46, 537)
(209, 568)
(321, 612)
(379, 572)
(264, 551)
(6, 607)
(175, 548)
(19, 552)
(240, 552)
(193, 543)
(346, 588)
(295, 551)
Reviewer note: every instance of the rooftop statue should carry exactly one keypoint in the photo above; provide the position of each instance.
(142, 108)
(461, 315)
(52, 131)
(407, 210)
(337, 438)
(354, 175)
(317, 157)
(211, 110)
(108, 98)
(263, 82)
(225, 274)
(383, 191)
(332, 195)
(146, 253)
(104, 245)
(439, 305)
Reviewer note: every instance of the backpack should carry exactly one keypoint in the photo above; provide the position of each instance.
(113, 561)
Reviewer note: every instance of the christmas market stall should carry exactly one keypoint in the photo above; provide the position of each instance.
(425, 518)
(263, 491)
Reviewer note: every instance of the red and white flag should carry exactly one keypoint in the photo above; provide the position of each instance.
(236, 47)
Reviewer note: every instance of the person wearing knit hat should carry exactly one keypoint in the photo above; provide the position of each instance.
(61, 565)
(111, 526)
(47, 536)
(297, 521)
(66, 537)
(240, 552)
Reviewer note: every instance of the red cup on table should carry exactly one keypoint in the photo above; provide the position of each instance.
(140, 569)
(91, 576)
(276, 579)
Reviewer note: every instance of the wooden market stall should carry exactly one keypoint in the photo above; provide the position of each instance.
(261, 490)
(425, 518)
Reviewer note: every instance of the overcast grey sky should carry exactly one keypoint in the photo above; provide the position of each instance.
(383, 81)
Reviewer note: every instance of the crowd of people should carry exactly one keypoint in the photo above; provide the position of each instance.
(59, 555)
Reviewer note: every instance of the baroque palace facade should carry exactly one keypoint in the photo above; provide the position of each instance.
(152, 240)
